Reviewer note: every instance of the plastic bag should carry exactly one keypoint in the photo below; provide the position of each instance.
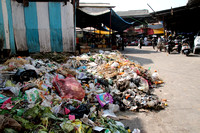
(69, 126)
(7, 104)
(78, 111)
(30, 67)
(114, 65)
(114, 107)
(104, 99)
(144, 86)
(2, 81)
(3, 98)
(136, 131)
(69, 88)
(56, 109)
(155, 76)
(32, 95)
(15, 90)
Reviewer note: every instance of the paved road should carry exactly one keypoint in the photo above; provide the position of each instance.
(182, 90)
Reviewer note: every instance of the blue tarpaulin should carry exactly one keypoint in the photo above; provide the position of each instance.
(117, 23)
(110, 19)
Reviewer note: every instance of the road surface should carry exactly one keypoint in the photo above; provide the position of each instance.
(182, 90)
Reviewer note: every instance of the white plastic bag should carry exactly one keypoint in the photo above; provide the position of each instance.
(32, 95)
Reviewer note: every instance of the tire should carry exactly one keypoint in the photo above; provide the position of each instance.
(169, 49)
(187, 54)
(195, 51)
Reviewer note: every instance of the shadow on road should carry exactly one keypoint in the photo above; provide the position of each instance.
(190, 55)
(193, 55)
(174, 53)
(140, 60)
(134, 124)
(136, 50)
(130, 51)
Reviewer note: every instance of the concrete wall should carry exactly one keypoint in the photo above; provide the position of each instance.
(40, 27)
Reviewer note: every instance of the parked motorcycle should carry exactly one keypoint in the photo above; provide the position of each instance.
(185, 47)
(172, 46)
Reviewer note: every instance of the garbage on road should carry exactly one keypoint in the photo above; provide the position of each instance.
(80, 95)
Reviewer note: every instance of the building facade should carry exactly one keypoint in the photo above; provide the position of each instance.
(40, 27)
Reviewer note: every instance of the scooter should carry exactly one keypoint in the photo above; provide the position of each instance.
(185, 47)
(172, 46)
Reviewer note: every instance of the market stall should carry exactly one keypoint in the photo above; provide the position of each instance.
(103, 20)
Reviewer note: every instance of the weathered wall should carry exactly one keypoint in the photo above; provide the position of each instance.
(40, 27)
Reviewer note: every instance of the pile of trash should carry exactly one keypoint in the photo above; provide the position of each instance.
(79, 95)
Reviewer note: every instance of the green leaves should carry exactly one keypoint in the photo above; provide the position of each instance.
(25, 123)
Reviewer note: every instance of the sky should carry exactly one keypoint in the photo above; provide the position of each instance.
(125, 5)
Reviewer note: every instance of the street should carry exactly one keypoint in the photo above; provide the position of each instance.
(181, 75)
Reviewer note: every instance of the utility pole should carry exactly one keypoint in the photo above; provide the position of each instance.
(151, 8)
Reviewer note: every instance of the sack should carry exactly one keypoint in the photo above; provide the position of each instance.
(69, 88)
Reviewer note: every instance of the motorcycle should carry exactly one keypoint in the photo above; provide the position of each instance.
(172, 46)
(185, 47)
(162, 46)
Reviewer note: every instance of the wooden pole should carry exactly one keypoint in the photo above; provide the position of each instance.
(110, 42)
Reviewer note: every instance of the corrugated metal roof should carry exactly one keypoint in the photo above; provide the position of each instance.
(94, 11)
(193, 2)
(99, 5)
(133, 13)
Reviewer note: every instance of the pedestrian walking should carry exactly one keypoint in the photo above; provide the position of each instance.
(154, 42)
(159, 43)
(141, 41)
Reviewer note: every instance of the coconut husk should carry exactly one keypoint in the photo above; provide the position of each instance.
(16, 62)
(66, 71)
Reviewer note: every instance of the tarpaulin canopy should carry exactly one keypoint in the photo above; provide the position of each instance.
(158, 31)
(155, 26)
(102, 32)
(155, 31)
(95, 17)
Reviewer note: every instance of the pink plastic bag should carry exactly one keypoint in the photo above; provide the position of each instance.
(7, 104)
(69, 88)
(104, 98)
